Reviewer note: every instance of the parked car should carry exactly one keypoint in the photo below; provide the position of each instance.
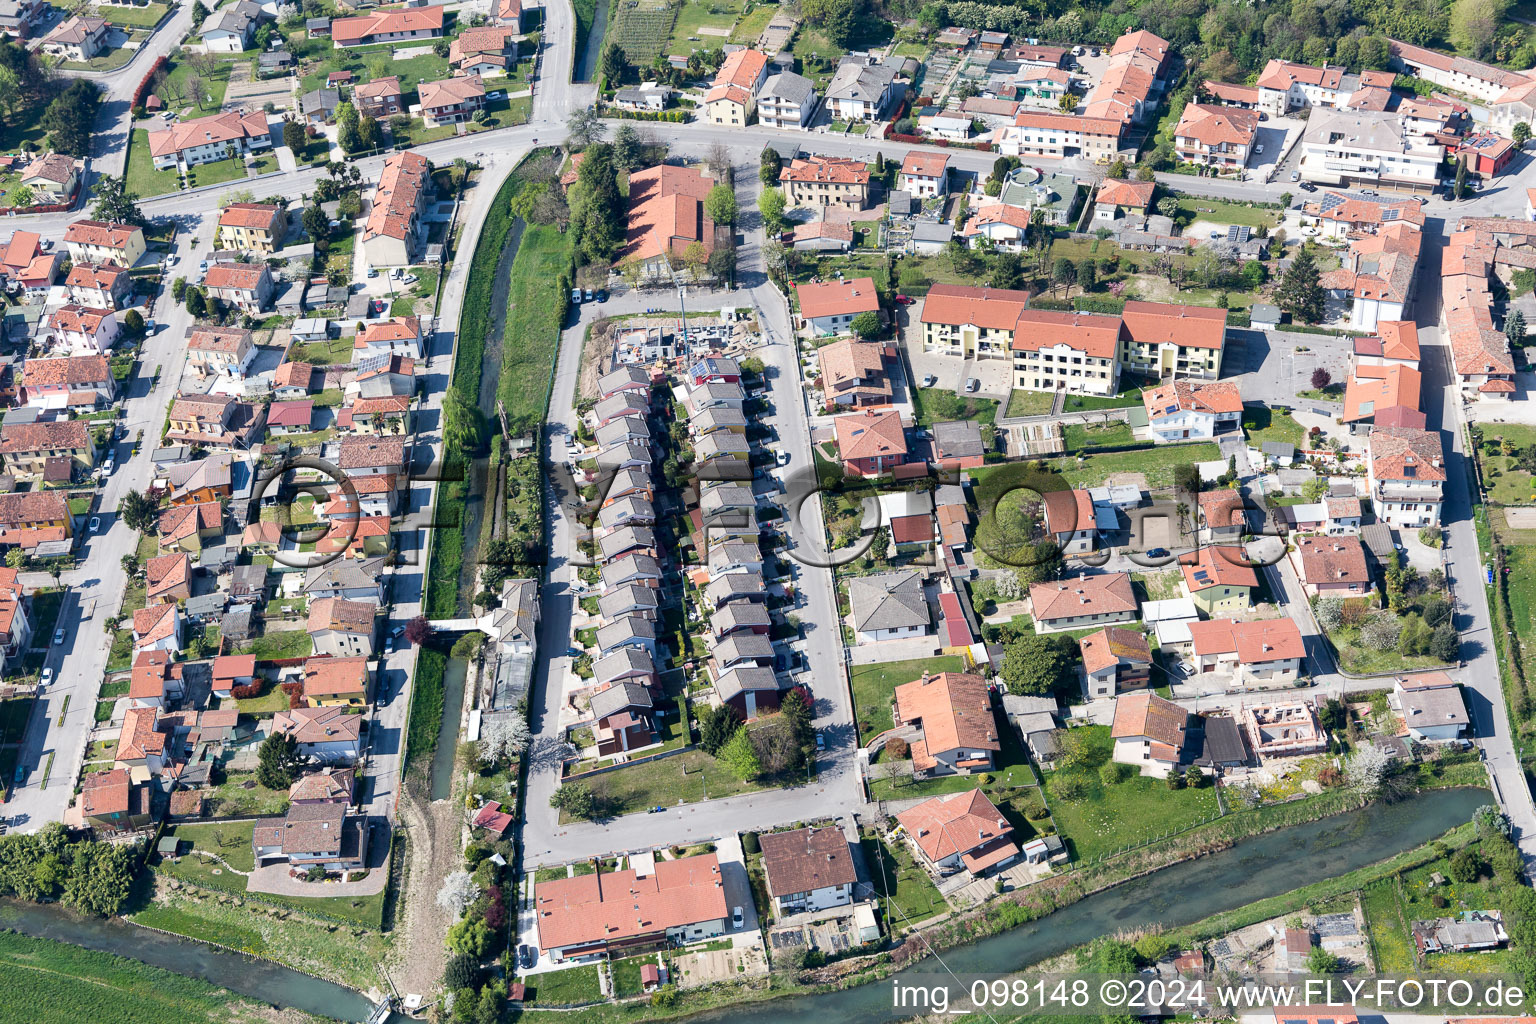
(783, 458)
(499, 94)
(1258, 149)
(904, 300)
(46, 678)
(1295, 175)
(930, 380)
(373, 271)
(588, 296)
(58, 636)
(1307, 186)
(602, 295)
(972, 385)
(737, 918)
(576, 296)
(95, 524)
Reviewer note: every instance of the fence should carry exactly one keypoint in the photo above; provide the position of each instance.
(648, 758)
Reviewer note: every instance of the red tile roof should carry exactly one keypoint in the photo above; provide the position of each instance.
(949, 825)
(609, 907)
(1217, 566)
(349, 31)
(1108, 646)
(1252, 642)
(1104, 594)
(838, 298)
(957, 305)
(1092, 334)
(869, 434)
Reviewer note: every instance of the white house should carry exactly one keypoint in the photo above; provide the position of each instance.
(1183, 409)
(1370, 148)
(888, 606)
(1431, 706)
(925, 175)
(1285, 85)
(230, 29)
(829, 307)
(1406, 468)
(860, 92)
(786, 100)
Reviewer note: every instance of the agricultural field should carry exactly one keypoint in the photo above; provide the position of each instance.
(643, 30)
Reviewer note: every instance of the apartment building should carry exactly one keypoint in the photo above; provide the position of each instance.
(1369, 148)
(1406, 468)
(1074, 352)
(1216, 137)
(393, 231)
(1284, 86)
(826, 181)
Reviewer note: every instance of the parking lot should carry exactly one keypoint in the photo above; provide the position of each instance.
(1275, 366)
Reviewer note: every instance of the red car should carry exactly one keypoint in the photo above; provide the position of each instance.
(905, 300)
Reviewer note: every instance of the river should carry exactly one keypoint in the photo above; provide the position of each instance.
(1181, 894)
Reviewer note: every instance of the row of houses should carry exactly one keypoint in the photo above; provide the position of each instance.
(1077, 352)
(750, 84)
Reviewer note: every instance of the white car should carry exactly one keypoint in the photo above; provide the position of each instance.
(408, 279)
(783, 458)
(1258, 149)
(930, 380)
(47, 676)
(972, 385)
(736, 918)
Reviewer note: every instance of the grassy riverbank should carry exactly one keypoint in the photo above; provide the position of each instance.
(57, 983)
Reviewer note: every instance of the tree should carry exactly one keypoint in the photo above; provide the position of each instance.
(769, 162)
(348, 132)
(722, 263)
(16, 558)
(771, 205)
(716, 726)
(696, 259)
(471, 937)
(113, 203)
(614, 64)
(1490, 821)
(866, 324)
(1320, 961)
(576, 800)
(1459, 186)
(1475, 24)
(458, 893)
(797, 711)
(740, 757)
(1321, 378)
(720, 204)
(1065, 274)
(1514, 328)
(1168, 206)
(1008, 271)
(71, 117)
(1521, 133)
(839, 19)
(418, 630)
(461, 423)
(1332, 715)
(1300, 293)
(584, 128)
(461, 972)
(502, 737)
(139, 511)
(316, 224)
(1445, 644)
(293, 136)
(628, 150)
(1367, 769)
(199, 14)
(1086, 275)
(1467, 866)
(277, 761)
(22, 196)
(1035, 664)
(776, 260)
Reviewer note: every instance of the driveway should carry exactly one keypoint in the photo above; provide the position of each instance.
(1275, 366)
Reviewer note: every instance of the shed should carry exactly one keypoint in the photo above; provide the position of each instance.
(1264, 317)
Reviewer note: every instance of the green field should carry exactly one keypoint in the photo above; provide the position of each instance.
(59, 983)
(683, 779)
(874, 685)
(212, 95)
(411, 71)
(536, 311)
(1504, 481)
(750, 27)
(643, 30)
(935, 405)
(693, 15)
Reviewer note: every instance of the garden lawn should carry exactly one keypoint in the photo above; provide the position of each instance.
(906, 892)
(1263, 424)
(143, 180)
(146, 16)
(570, 987)
(1359, 659)
(230, 799)
(1077, 436)
(693, 15)
(214, 86)
(1156, 464)
(1193, 208)
(287, 643)
(1029, 403)
(681, 779)
(323, 353)
(412, 71)
(1108, 818)
(1082, 403)
(875, 685)
(933, 405)
(269, 701)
